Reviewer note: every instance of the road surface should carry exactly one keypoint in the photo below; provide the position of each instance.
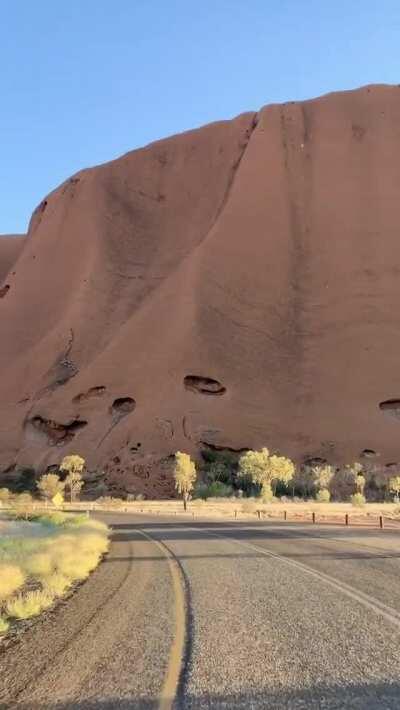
(198, 614)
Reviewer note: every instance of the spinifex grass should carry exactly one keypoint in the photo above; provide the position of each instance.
(65, 548)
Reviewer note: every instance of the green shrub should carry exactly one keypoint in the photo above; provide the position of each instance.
(216, 489)
(52, 519)
(25, 479)
(358, 500)
(218, 471)
(323, 496)
(201, 491)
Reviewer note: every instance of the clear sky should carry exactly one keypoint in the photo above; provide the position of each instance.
(83, 81)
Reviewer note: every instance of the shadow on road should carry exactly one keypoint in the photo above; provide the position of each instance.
(193, 531)
(357, 697)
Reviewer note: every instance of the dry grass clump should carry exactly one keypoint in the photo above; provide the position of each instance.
(24, 606)
(56, 584)
(249, 506)
(11, 579)
(39, 564)
(67, 550)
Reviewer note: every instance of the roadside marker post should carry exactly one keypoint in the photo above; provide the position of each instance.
(313, 517)
(381, 523)
(259, 514)
(285, 514)
(346, 519)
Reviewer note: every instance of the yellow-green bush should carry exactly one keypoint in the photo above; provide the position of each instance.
(56, 584)
(39, 564)
(358, 500)
(67, 549)
(24, 606)
(11, 579)
(323, 496)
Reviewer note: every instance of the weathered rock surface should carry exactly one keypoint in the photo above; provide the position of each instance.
(237, 285)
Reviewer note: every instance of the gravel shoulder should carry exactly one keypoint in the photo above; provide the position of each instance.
(100, 645)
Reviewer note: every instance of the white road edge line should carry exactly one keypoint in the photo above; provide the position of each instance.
(391, 615)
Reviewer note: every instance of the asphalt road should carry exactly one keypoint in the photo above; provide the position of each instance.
(192, 614)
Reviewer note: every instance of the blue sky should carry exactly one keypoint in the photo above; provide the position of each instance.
(86, 80)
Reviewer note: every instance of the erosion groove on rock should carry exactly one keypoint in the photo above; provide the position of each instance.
(259, 255)
(203, 385)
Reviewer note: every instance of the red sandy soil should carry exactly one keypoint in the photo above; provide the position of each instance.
(236, 285)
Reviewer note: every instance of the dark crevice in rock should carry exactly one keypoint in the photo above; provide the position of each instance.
(119, 409)
(66, 368)
(203, 385)
(314, 461)
(62, 371)
(97, 391)
(216, 447)
(186, 433)
(122, 406)
(57, 434)
(368, 453)
(4, 290)
(135, 448)
(391, 407)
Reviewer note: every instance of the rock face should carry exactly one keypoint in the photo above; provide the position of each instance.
(10, 249)
(235, 286)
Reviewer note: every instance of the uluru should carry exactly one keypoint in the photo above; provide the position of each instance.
(232, 287)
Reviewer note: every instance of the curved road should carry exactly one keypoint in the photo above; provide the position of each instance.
(200, 614)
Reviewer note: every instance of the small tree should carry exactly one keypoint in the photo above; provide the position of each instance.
(323, 476)
(74, 466)
(184, 475)
(356, 470)
(394, 486)
(266, 469)
(49, 485)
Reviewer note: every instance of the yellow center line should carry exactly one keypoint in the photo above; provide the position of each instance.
(170, 686)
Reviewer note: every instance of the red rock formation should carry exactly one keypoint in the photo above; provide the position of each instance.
(10, 249)
(235, 285)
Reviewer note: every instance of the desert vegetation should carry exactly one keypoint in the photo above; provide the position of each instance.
(269, 477)
(184, 475)
(259, 477)
(42, 555)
